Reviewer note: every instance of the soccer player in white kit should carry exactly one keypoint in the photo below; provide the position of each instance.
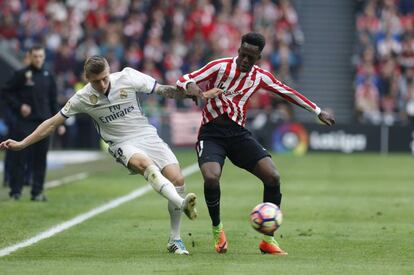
(111, 101)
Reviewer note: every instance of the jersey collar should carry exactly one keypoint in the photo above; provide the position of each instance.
(98, 94)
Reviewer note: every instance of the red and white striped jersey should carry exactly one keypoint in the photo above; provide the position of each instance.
(238, 88)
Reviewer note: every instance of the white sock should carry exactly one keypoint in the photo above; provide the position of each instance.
(162, 185)
(175, 215)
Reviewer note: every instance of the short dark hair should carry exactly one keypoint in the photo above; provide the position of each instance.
(95, 64)
(254, 38)
(36, 47)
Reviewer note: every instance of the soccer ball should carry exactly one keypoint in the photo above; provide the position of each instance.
(266, 218)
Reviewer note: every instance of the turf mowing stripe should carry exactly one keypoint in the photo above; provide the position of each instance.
(65, 180)
(83, 217)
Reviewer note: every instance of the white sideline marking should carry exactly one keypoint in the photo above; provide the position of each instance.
(57, 159)
(65, 180)
(83, 217)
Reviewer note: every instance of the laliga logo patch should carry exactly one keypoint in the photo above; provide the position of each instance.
(67, 106)
(93, 99)
(290, 138)
(123, 93)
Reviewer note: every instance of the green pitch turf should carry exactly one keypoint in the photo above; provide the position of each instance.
(343, 214)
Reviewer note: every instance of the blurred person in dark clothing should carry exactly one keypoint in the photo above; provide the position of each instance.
(31, 95)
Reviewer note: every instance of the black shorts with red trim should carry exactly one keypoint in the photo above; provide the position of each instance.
(218, 140)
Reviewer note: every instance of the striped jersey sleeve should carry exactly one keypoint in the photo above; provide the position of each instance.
(204, 74)
(270, 83)
(238, 87)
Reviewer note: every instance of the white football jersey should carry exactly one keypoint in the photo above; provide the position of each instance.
(118, 117)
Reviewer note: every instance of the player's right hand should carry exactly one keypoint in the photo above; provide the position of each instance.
(11, 144)
(212, 93)
(326, 118)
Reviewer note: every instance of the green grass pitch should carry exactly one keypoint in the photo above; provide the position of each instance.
(343, 214)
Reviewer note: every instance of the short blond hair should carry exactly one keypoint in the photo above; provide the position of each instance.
(95, 65)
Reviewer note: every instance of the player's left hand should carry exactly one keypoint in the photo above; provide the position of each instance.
(326, 118)
(11, 144)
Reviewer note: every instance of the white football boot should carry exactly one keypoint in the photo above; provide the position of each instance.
(177, 247)
(188, 206)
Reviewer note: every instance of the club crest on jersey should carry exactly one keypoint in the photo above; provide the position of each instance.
(93, 99)
(123, 93)
(249, 83)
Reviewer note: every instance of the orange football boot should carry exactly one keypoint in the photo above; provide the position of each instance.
(220, 239)
(271, 248)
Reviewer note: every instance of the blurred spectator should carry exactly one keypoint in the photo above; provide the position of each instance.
(408, 101)
(31, 95)
(367, 102)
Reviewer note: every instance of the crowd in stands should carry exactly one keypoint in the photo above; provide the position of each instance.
(384, 62)
(163, 38)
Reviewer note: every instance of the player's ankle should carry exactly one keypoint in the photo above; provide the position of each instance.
(269, 238)
(218, 227)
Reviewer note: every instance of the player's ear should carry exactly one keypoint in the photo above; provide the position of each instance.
(260, 56)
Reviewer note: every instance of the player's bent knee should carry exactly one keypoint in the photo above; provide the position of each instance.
(211, 180)
(139, 162)
(211, 174)
(178, 180)
(173, 173)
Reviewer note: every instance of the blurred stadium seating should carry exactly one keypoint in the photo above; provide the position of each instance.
(384, 62)
(164, 39)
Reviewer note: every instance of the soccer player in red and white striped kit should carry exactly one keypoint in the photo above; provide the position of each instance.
(223, 131)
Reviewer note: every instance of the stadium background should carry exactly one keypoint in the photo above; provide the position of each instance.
(331, 51)
(354, 58)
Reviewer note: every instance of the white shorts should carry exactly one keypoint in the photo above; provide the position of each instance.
(153, 147)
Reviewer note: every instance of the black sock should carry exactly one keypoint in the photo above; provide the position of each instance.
(212, 197)
(272, 194)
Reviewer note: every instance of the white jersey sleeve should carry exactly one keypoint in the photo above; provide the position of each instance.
(141, 82)
(73, 106)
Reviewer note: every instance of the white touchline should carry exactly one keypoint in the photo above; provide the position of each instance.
(65, 180)
(83, 217)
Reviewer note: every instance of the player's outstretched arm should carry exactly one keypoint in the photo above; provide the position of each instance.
(192, 91)
(42, 131)
(326, 118)
(168, 91)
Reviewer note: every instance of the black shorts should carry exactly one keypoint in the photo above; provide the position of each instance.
(216, 142)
